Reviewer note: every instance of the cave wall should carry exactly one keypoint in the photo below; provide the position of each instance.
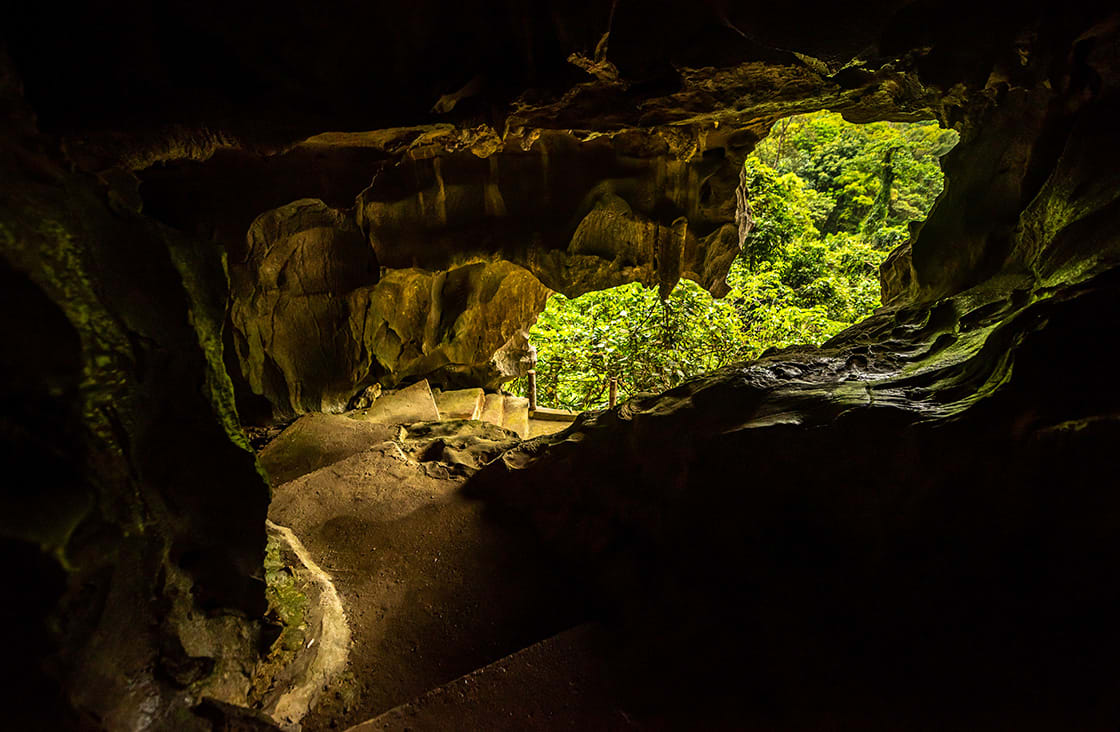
(132, 508)
(315, 318)
(563, 212)
(629, 172)
(280, 183)
(913, 526)
(915, 520)
(1035, 166)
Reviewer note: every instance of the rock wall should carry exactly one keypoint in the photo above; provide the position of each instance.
(914, 524)
(315, 321)
(616, 161)
(131, 516)
(918, 515)
(1034, 176)
(395, 189)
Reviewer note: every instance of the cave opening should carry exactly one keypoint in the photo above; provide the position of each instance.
(912, 526)
(828, 201)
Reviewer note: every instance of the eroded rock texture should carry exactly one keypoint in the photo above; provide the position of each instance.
(899, 519)
(616, 160)
(922, 529)
(314, 320)
(1033, 179)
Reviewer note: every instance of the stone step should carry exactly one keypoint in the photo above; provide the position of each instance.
(317, 440)
(515, 415)
(460, 403)
(546, 421)
(413, 403)
(493, 408)
(538, 427)
(559, 683)
(547, 414)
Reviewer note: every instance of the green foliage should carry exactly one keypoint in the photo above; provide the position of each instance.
(844, 163)
(629, 334)
(828, 201)
(782, 208)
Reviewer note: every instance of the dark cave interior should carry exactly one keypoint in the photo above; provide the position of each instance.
(219, 214)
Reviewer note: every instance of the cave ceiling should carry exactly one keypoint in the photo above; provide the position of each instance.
(211, 208)
(585, 145)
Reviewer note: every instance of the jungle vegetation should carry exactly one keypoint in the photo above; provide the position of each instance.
(829, 200)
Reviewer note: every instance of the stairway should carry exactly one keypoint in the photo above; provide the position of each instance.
(420, 403)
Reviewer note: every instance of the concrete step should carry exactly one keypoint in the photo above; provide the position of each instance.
(493, 408)
(460, 403)
(515, 415)
(558, 684)
(547, 414)
(538, 427)
(546, 421)
(414, 403)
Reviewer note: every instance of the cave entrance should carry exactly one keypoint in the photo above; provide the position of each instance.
(829, 200)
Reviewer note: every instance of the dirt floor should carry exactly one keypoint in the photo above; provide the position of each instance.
(431, 589)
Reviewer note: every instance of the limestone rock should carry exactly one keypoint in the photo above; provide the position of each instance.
(880, 492)
(314, 318)
(920, 522)
(516, 356)
(598, 212)
(131, 508)
(303, 261)
(412, 404)
(462, 445)
(366, 397)
(445, 326)
(317, 440)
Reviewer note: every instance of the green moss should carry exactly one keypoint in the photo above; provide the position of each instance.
(44, 233)
(205, 279)
(42, 240)
(285, 595)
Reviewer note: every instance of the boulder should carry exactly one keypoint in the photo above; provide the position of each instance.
(317, 440)
(411, 404)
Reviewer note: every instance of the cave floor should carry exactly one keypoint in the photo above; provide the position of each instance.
(956, 576)
(432, 588)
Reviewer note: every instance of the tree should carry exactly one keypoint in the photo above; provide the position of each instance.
(837, 198)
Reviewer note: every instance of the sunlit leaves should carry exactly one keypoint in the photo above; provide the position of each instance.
(809, 267)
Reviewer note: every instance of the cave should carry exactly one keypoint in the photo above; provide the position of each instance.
(218, 218)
